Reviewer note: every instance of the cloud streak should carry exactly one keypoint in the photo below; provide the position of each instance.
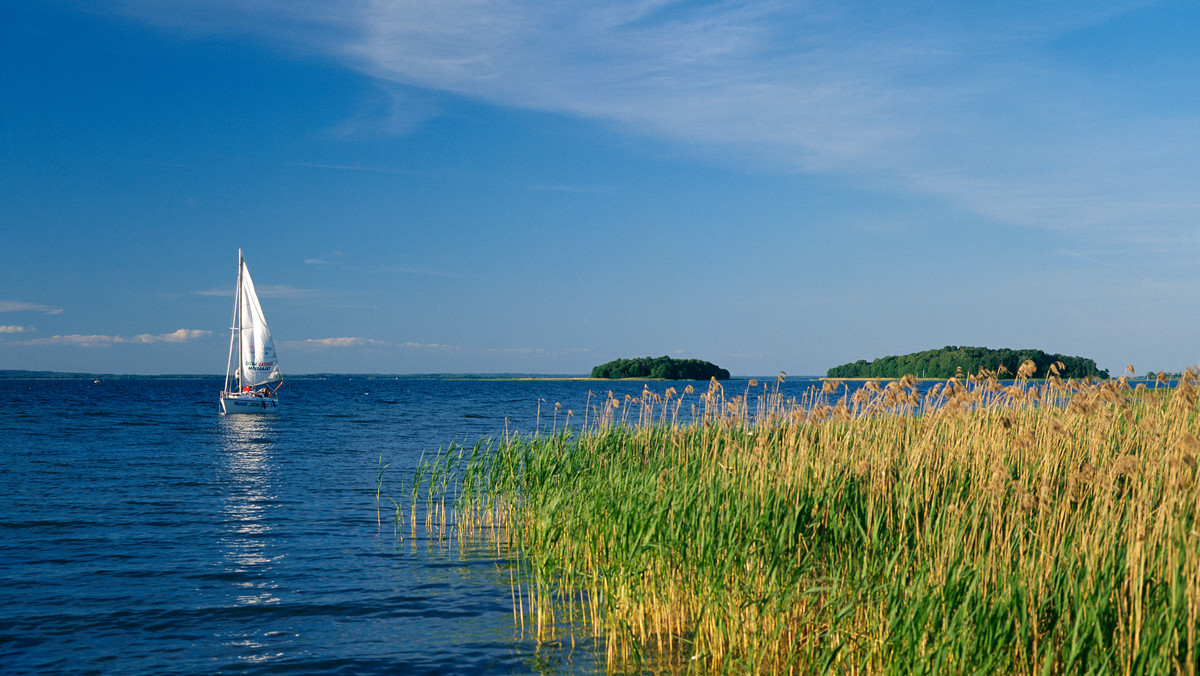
(102, 340)
(331, 259)
(356, 342)
(342, 342)
(966, 104)
(18, 306)
(268, 291)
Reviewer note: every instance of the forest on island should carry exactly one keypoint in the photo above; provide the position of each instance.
(962, 361)
(664, 367)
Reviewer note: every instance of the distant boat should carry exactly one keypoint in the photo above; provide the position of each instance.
(257, 366)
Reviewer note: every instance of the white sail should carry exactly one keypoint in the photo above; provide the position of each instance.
(255, 363)
(258, 363)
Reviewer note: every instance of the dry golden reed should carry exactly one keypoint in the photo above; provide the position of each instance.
(1047, 527)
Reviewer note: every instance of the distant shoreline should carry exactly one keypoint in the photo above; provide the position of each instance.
(14, 374)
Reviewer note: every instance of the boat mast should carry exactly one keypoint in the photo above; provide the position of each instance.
(233, 324)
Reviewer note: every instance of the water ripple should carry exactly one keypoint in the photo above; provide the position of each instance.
(181, 541)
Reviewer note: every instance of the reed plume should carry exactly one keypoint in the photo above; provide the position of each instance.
(1034, 528)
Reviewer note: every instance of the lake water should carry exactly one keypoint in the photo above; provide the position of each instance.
(141, 532)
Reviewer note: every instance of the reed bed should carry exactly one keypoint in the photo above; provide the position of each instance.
(1048, 527)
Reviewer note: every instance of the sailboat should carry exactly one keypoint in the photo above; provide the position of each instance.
(257, 366)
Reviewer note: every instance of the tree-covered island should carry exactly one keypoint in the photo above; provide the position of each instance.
(953, 360)
(664, 367)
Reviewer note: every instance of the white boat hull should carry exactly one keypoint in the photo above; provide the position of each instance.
(238, 403)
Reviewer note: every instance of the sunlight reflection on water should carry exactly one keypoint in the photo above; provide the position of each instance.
(207, 543)
(246, 541)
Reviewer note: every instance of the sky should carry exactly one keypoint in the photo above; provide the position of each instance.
(511, 186)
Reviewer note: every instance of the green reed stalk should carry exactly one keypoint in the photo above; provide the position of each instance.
(1029, 528)
(378, 490)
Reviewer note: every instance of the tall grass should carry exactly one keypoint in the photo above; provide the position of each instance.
(1046, 528)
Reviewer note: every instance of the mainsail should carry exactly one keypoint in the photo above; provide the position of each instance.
(258, 364)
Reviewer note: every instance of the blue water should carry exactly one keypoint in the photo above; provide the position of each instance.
(141, 532)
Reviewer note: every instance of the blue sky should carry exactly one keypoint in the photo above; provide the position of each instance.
(508, 186)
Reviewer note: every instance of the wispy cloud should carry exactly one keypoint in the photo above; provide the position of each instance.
(431, 346)
(342, 342)
(18, 306)
(396, 110)
(93, 340)
(330, 259)
(178, 336)
(268, 291)
(15, 329)
(353, 342)
(102, 340)
(966, 103)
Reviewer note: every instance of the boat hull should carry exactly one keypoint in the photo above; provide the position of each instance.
(234, 403)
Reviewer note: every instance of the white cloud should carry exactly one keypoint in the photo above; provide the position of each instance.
(968, 103)
(267, 291)
(325, 260)
(17, 306)
(365, 342)
(101, 340)
(93, 340)
(431, 346)
(342, 342)
(179, 336)
(15, 329)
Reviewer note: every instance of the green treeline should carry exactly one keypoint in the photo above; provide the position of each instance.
(952, 360)
(660, 367)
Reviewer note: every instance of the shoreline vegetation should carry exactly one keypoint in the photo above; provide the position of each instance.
(660, 368)
(1038, 527)
(954, 361)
